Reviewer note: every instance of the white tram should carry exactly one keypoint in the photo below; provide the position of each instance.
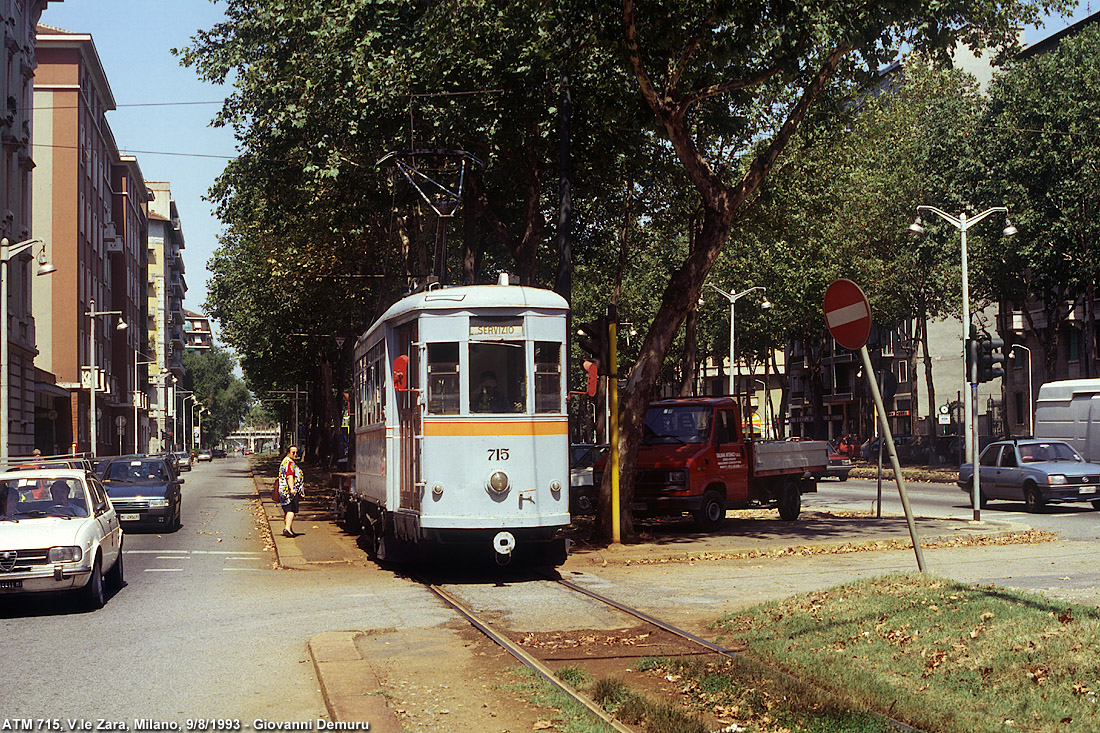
(461, 434)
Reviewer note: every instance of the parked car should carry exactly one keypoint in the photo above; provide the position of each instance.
(909, 450)
(1037, 472)
(204, 455)
(839, 466)
(583, 495)
(70, 540)
(144, 491)
(183, 460)
(219, 453)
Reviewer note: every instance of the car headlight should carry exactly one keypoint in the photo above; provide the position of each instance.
(159, 502)
(1056, 479)
(677, 477)
(64, 554)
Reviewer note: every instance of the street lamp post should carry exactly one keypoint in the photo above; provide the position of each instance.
(962, 222)
(7, 252)
(1030, 394)
(137, 437)
(92, 314)
(733, 298)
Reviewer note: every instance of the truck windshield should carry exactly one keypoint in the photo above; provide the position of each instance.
(677, 424)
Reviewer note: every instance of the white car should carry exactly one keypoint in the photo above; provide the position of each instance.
(58, 531)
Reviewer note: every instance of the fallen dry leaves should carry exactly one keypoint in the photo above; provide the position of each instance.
(1028, 537)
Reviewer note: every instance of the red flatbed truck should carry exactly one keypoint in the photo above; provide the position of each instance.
(694, 457)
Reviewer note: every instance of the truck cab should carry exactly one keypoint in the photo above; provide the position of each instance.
(694, 457)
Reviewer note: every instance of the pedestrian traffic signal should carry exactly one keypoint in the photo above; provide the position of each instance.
(991, 359)
(594, 340)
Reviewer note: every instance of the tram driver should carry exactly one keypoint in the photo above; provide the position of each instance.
(487, 397)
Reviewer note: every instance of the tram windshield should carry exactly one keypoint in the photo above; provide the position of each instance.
(498, 377)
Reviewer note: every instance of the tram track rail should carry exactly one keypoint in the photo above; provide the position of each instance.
(543, 670)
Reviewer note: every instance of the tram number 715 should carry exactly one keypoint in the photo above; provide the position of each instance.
(498, 454)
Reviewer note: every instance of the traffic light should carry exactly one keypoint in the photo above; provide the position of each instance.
(990, 359)
(594, 340)
(972, 359)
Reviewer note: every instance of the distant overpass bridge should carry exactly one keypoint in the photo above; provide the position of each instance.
(258, 439)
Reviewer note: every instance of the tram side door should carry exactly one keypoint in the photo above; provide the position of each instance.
(408, 418)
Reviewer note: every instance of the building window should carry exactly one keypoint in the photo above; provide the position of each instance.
(903, 371)
(1073, 345)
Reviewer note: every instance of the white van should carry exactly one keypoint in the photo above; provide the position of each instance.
(1069, 410)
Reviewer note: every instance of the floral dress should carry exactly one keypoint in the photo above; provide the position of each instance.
(289, 467)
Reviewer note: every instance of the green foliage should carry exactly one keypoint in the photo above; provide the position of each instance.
(1042, 154)
(217, 390)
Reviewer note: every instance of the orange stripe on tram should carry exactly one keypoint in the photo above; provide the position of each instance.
(456, 428)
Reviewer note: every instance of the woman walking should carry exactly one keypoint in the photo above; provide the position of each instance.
(291, 489)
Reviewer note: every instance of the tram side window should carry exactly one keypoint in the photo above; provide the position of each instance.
(498, 377)
(443, 378)
(547, 376)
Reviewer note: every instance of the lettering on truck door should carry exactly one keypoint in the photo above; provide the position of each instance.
(729, 453)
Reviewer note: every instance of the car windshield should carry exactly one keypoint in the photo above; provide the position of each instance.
(137, 472)
(1053, 451)
(677, 424)
(42, 496)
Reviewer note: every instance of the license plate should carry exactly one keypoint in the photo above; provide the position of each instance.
(129, 517)
(10, 584)
(1088, 490)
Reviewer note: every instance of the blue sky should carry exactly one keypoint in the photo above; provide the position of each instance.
(172, 140)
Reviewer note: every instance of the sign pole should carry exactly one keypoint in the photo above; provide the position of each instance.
(888, 439)
(613, 419)
(848, 317)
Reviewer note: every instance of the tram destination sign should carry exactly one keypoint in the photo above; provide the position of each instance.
(481, 330)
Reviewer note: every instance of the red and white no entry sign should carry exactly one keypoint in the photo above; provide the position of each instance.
(847, 314)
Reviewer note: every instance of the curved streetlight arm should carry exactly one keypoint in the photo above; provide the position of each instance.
(734, 297)
(964, 222)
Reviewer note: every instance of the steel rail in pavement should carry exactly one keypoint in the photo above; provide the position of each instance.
(530, 661)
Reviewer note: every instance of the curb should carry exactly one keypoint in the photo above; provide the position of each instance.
(351, 691)
(288, 555)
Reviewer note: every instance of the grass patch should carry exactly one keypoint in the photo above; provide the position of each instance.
(936, 654)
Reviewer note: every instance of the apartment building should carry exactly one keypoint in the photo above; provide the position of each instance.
(165, 291)
(18, 383)
(91, 204)
(196, 329)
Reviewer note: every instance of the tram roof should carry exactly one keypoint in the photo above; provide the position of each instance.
(475, 297)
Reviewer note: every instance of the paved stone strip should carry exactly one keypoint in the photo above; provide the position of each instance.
(349, 686)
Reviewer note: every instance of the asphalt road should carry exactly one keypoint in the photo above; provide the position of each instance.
(205, 627)
(1079, 522)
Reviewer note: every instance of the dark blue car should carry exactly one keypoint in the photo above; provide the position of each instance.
(144, 491)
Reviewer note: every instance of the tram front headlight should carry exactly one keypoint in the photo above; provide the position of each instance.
(555, 487)
(498, 482)
(437, 491)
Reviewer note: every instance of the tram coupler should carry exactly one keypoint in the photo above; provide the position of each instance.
(504, 543)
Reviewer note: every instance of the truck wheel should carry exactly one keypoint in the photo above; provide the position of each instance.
(711, 514)
(1033, 500)
(790, 501)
